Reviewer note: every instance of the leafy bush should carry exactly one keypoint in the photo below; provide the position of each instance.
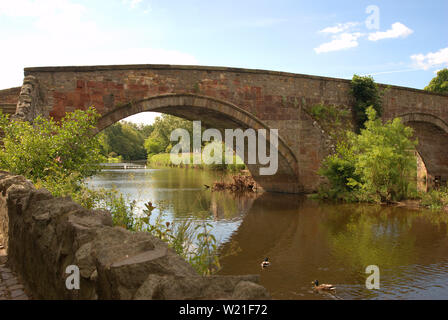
(334, 113)
(339, 169)
(435, 199)
(366, 93)
(376, 165)
(55, 154)
(60, 156)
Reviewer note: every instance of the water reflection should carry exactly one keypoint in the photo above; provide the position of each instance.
(304, 239)
(180, 194)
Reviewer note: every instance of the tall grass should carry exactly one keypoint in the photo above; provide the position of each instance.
(194, 242)
(163, 160)
(435, 199)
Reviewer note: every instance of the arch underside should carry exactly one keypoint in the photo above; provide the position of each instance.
(432, 135)
(221, 115)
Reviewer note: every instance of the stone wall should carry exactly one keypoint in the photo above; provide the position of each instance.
(10, 96)
(8, 100)
(29, 104)
(44, 235)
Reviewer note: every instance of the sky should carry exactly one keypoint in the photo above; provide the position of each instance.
(397, 42)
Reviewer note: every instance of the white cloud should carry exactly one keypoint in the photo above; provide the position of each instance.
(432, 59)
(340, 27)
(398, 30)
(340, 42)
(132, 3)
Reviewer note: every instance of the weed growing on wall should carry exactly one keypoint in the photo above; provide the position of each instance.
(366, 93)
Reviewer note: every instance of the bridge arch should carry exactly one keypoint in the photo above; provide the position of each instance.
(218, 114)
(432, 134)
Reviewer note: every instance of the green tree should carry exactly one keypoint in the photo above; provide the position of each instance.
(159, 139)
(126, 139)
(439, 83)
(376, 165)
(154, 146)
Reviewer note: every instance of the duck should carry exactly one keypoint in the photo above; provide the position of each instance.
(265, 263)
(323, 287)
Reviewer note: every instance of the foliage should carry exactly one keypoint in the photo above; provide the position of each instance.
(321, 111)
(113, 158)
(49, 152)
(154, 145)
(163, 160)
(121, 208)
(435, 199)
(376, 165)
(366, 93)
(333, 119)
(439, 83)
(195, 243)
(159, 140)
(339, 169)
(125, 139)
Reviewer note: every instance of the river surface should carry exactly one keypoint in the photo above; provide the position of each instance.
(304, 239)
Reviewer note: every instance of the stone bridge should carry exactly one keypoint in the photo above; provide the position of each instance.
(232, 98)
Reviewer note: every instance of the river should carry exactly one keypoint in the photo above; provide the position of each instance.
(304, 239)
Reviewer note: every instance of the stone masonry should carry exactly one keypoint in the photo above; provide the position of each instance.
(44, 235)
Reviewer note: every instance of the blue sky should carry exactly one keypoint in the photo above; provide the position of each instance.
(405, 46)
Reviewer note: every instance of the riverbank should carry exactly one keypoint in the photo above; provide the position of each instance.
(163, 160)
(436, 200)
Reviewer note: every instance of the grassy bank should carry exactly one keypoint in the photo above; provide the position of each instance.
(163, 160)
(436, 199)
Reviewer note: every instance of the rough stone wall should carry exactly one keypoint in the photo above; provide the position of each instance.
(8, 100)
(29, 104)
(10, 96)
(399, 101)
(46, 234)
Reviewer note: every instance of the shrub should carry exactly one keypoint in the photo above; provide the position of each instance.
(376, 165)
(52, 153)
(435, 199)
